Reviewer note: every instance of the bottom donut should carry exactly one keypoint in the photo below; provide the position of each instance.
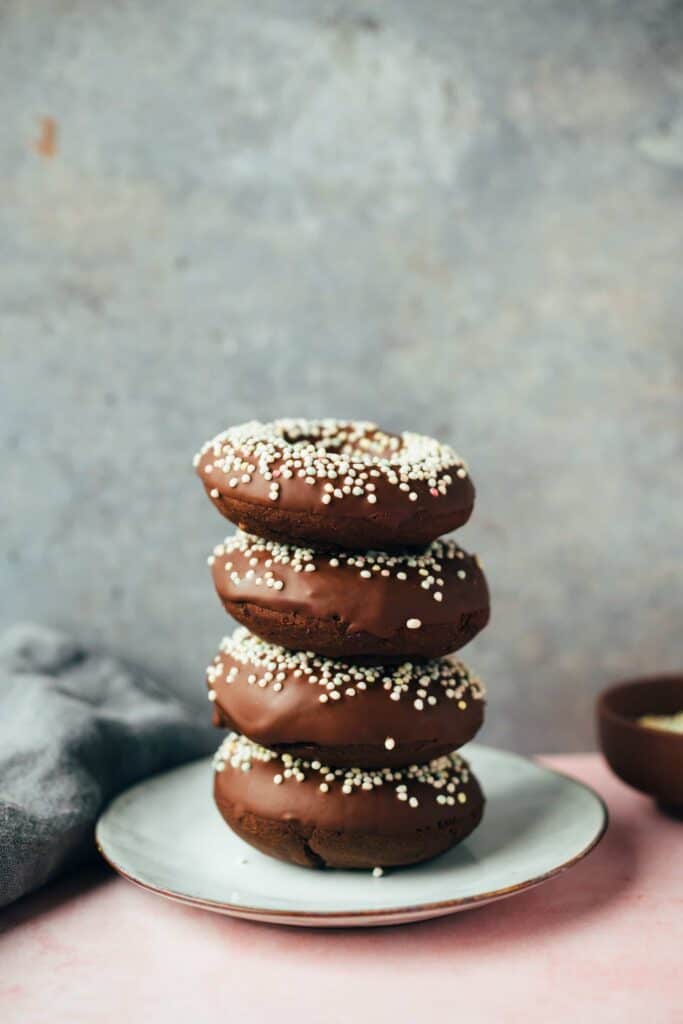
(310, 814)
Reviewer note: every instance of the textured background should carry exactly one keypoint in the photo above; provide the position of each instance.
(462, 218)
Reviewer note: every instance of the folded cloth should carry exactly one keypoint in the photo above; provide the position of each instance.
(76, 727)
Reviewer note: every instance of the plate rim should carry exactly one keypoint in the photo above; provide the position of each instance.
(422, 910)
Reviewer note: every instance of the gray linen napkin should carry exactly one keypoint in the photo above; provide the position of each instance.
(76, 727)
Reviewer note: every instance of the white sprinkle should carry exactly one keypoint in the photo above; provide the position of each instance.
(413, 802)
(372, 498)
(214, 492)
(212, 695)
(413, 623)
(377, 872)
(390, 743)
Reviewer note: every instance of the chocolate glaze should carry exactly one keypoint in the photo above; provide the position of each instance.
(392, 518)
(377, 811)
(321, 602)
(353, 729)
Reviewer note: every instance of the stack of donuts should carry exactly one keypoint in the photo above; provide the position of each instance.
(344, 713)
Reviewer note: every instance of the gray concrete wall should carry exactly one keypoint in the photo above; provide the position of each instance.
(461, 218)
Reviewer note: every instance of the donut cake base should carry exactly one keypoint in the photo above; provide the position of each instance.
(311, 707)
(309, 814)
(363, 604)
(377, 530)
(337, 483)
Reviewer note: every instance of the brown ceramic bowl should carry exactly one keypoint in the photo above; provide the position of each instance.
(650, 760)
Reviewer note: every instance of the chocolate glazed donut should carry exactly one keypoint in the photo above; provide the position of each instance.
(308, 814)
(341, 714)
(371, 605)
(336, 483)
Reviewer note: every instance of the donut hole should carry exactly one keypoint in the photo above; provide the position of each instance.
(362, 441)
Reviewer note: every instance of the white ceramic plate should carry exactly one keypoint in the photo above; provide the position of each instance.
(166, 835)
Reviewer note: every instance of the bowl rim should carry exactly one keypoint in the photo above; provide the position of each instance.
(605, 711)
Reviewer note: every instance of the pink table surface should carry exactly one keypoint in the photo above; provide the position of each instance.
(602, 942)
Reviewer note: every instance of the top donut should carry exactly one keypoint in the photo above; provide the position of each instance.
(332, 482)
